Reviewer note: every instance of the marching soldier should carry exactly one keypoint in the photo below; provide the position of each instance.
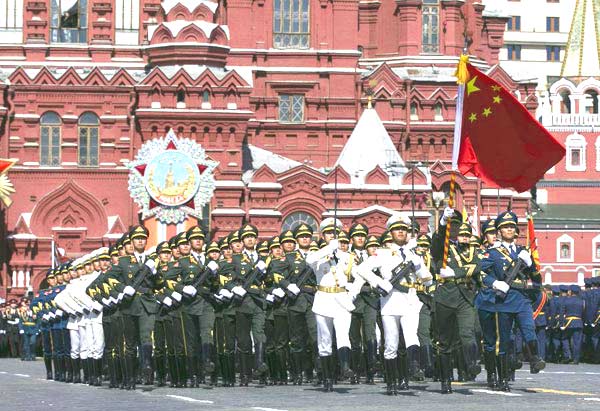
(454, 295)
(400, 268)
(501, 303)
(39, 308)
(28, 330)
(572, 325)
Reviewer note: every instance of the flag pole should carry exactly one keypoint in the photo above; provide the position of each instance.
(53, 253)
(461, 78)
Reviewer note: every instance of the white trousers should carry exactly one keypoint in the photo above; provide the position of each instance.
(95, 337)
(326, 326)
(79, 346)
(391, 330)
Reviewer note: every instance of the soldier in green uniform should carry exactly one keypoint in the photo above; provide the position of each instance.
(425, 294)
(276, 327)
(137, 280)
(162, 321)
(454, 296)
(250, 314)
(301, 320)
(363, 339)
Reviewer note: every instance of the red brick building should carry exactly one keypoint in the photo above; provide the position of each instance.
(273, 91)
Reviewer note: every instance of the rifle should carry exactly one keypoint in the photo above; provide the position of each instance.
(248, 282)
(511, 275)
(305, 275)
(401, 272)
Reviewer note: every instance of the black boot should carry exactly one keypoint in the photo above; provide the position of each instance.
(470, 356)
(282, 367)
(446, 373)
(147, 372)
(391, 376)
(344, 359)
(259, 357)
(191, 365)
(504, 371)
(56, 363)
(415, 371)
(297, 367)
(427, 360)
(355, 364)
(173, 371)
(327, 367)
(100, 368)
(130, 375)
(231, 369)
(402, 371)
(370, 361)
(182, 371)
(68, 370)
(244, 370)
(536, 364)
(207, 358)
(85, 364)
(112, 371)
(48, 364)
(75, 365)
(161, 372)
(489, 358)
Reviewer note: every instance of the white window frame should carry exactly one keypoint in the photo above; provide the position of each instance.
(11, 21)
(595, 243)
(576, 141)
(127, 22)
(565, 238)
(295, 104)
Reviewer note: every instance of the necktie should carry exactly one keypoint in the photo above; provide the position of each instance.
(402, 254)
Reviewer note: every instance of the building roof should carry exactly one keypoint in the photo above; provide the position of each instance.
(582, 53)
(580, 214)
(370, 146)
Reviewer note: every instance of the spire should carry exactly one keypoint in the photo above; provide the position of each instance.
(369, 146)
(582, 53)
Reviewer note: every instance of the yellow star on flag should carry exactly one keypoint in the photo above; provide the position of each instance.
(472, 117)
(487, 111)
(471, 87)
(497, 99)
(496, 88)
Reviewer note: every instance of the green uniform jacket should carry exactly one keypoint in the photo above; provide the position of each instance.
(190, 270)
(256, 295)
(143, 301)
(277, 270)
(304, 301)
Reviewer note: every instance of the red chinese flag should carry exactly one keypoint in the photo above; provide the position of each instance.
(501, 142)
(532, 241)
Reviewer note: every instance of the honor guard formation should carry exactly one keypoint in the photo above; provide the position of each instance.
(350, 306)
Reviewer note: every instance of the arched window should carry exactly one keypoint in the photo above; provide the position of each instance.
(592, 108)
(88, 140)
(50, 139)
(437, 112)
(299, 217)
(565, 248)
(291, 19)
(431, 26)
(414, 113)
(68, 21)
(565, 102)
(576, 158)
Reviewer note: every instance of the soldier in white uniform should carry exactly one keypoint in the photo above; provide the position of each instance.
(400, 305)
(333, 300)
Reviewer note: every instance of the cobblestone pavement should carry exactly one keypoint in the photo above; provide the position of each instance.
(23, 388)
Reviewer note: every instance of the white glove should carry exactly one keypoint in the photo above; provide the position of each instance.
(189, 290)
(213, 266)
(525, 257)
(105, 302)
(176, 296)
(385, 285)
(416, 260)
(270, 298)
(218, 297)
(294, 288)
(448, 213)
(151, 265)
(501, 286)
(59, 313)
(21, 332)
(278, 292)
(96, 306)
(333, 244)
(129, 290)
(120, 297)
(261, 266)
(167, 301)
(447, 272)
(225, 293)
(238, 291)
(45, 317)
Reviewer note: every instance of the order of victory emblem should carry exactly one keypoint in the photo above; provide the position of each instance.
(171, 178)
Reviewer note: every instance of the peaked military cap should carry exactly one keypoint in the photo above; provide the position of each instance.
(343, 237)
(475, 241)
(314, 246)
(263, 246)
(113, 251)
(182, 238)
(386, 237)
(234, 236)
(50, 273)
(465, 229)
(213, 246)
(330, 224)
(397, 222)
(424, 240)
(163, 247)
(274, 242)
(303, 229)
(488, 226)
(248, 230)
(563, 288)
(195, 232)
(103, 253)
(359, 229)
(321, 243)
(372, 241)
(415, 227)
(224, 242)
(173, 241)
(506, 218)
(575, 289)
(138, 231)
(287, 235)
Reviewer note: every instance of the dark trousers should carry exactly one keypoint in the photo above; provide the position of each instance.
(455, 326)
(47, 343)
(250, 322)
(499, 326)
(540, 332)
(61, 347)
(571, 343)
(228, 333)
(137, 331)
(28, 342)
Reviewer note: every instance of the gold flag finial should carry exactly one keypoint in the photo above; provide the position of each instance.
(370, 102)
(462, 74)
